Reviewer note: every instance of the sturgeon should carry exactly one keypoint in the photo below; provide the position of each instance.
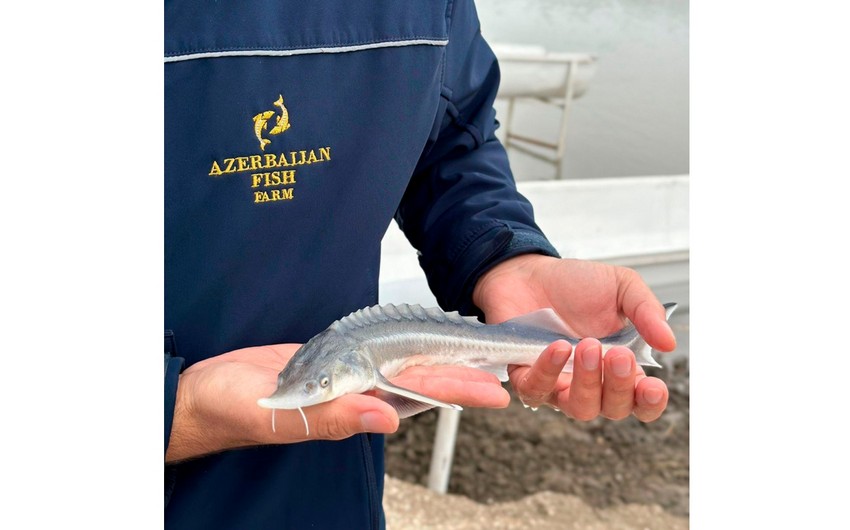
(363, 350)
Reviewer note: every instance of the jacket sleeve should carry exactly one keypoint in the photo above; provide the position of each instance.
(461, 209)
(173, 367)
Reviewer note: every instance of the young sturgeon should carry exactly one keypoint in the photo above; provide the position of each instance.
(362, 351)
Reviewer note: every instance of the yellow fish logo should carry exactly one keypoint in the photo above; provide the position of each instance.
(261, 122)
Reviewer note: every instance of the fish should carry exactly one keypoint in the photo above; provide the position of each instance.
(282, 124)
(260, 121)
(364, 350)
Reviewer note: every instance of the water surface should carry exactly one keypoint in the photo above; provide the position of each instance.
(634, 118)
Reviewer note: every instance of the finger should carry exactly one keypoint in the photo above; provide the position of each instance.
(651, 396)
(584, 400)
(344, 417)
(648, 314)
(460, 385)
(536, 384)
(487, 394)
(463, 373)
(618, 383)
(466, 387)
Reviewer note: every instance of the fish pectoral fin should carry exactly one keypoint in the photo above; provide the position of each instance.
(405, 406)
(500, 371)
(407, 401)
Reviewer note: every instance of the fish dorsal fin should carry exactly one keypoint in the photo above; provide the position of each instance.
(391, 313)
(545, 319)
(404, 405)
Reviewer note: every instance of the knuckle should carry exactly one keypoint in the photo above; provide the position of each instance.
(533, 399)
(584, 409)
(533, 391)
(632, 275)
(616, 413)
(587, 385)
(582, 414)
(643, 305)
(620, 390)
(334, 427)
(647, 416)
(618, 402)
(628, 275)
(537, 388)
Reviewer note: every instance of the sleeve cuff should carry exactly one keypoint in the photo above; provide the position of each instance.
(173, 367)
(491, 248)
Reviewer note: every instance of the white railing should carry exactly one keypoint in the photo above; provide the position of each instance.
(553, 79)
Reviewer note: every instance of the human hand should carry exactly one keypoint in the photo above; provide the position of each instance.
(217, 406)
(593, 299)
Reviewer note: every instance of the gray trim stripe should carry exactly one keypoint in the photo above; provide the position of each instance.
(304, 51)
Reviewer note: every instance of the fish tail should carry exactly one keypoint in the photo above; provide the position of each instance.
(630, 337)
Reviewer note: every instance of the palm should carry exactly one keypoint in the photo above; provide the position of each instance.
(587, 303)
(592, 298)
(251, 372)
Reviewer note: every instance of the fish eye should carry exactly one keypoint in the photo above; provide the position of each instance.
(324, 382)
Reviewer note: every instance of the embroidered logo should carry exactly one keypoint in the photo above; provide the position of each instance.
(270, 177)
(261, 122)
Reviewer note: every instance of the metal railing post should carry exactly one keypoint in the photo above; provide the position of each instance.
(444, 448)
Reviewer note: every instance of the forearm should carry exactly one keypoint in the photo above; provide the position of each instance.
(194, 433)
(215, 403)
(461, 209)
(186, 440)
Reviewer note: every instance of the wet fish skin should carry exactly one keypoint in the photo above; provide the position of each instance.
(363, 350)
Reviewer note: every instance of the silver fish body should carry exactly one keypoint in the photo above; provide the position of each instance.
(363, 350)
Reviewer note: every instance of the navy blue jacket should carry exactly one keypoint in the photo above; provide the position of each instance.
(294, 133)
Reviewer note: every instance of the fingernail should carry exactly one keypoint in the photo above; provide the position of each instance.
(590, 357)
(653, 396)
(373, 421)
(559, 357)
(621, 365)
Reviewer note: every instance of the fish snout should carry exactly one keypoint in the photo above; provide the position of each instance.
(277, 401)
(267, 403)
(289, 400)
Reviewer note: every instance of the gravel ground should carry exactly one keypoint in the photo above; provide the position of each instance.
(615, 474)
(413, 507)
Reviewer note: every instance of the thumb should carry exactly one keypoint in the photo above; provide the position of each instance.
(349, 415)
(640, 305)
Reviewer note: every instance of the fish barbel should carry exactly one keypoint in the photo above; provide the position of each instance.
(362, 351)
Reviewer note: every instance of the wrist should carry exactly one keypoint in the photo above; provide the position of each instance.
(196, 431)
(518, 267)
(183, 426)
(208, 419)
